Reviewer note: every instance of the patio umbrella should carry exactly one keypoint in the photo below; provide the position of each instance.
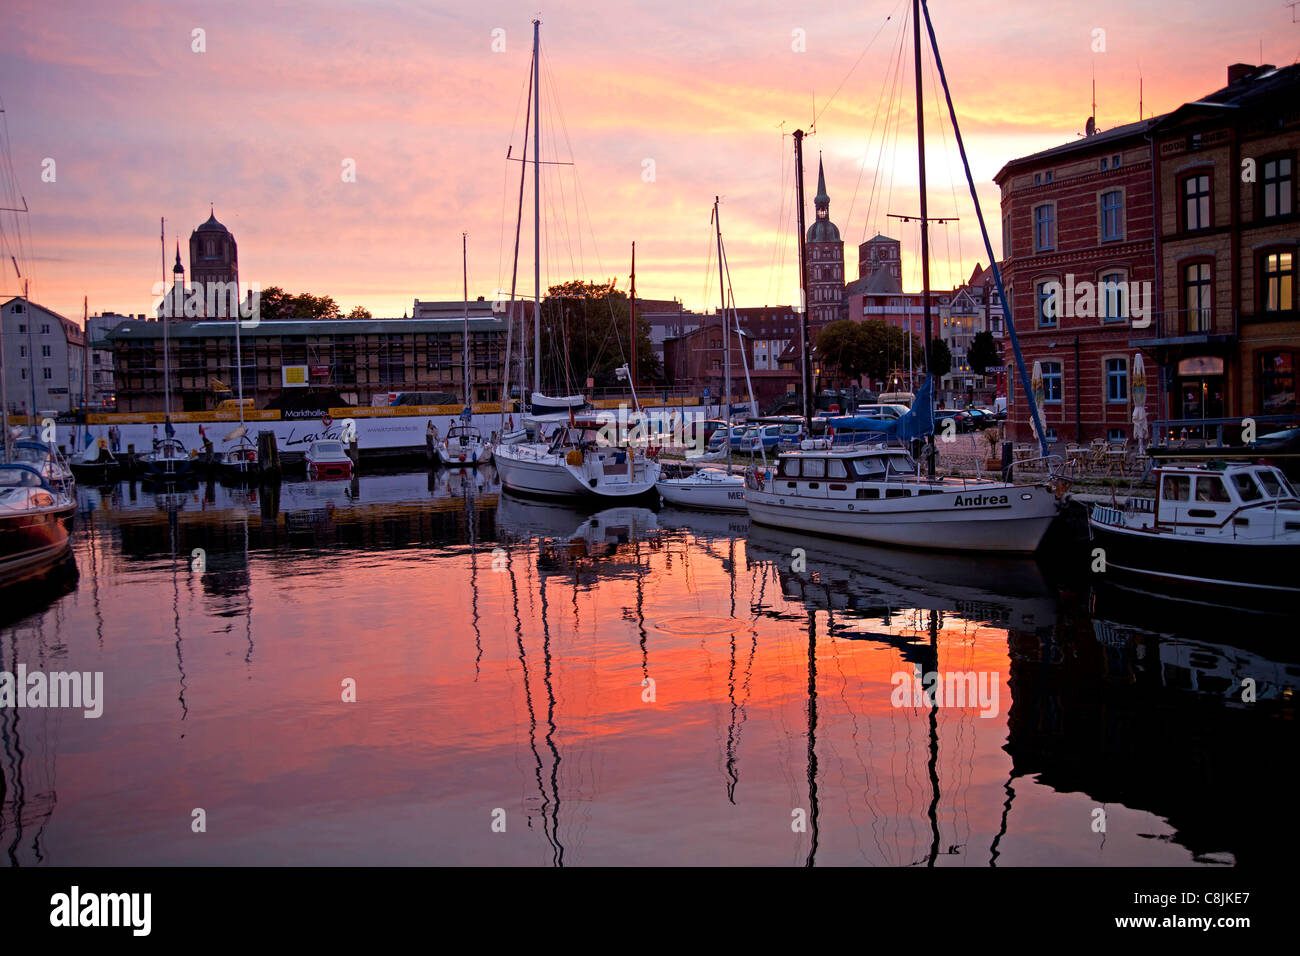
(1036, 380)
(1141, 428)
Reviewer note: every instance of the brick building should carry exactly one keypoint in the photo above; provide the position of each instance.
(1079, 271)
(825, 253)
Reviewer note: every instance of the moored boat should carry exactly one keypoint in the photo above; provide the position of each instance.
(875, 494)
(577, 463)
(44, 459)
(709, 488)
(34, 521)
(169, 461)
(463, 447)
(1215, 532)
(327, 458)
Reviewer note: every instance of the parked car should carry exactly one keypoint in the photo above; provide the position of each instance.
(962, 419)
(719, 437)
(886, 412)
(758, 438)
(982, 418)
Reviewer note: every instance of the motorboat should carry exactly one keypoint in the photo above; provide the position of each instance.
(240, 459)
(46, 460)
(577, 462)
(95, 463)
(464, 446)
(326, 458)
(1214, 532)
(708, 488)
(169, 461)
(876, 494)
(34, 521)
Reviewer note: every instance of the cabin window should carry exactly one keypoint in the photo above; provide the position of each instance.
(1246, 487)
(789, 468)
(1176, 488)
(1211, 488)
(814, 467)
(895, 492)
(1271, 486)
(868, 467)
(835, 469)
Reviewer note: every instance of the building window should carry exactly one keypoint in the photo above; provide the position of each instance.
(1278, 187)
(1277, 382)
(22, 351)
(1044, 221)
(1116, 434)
(1114, 291)
(1105, 160)
(1196, 202)
(1045, 297)
(1047, 176)
(45, 351)
(1279, 282)
(1038, 179)
(1006, 236)
(46, 374)
(22, 329)
(1114, 161)
(1052, 387)
(1117, 381)
(1112, 215)
(1197, 296)
(22, 373)
(45, 328)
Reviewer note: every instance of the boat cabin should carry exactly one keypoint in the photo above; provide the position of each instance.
(860, 474)
(1213, 494)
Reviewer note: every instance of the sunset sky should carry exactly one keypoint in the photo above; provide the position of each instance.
(259, 124)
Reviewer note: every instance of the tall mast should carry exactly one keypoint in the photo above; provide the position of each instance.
(239, 368)
(464, 338)
(925, 221)
(632, 322)
(31, 359)
(537, 211)
(4, 395)
(803, 281)
(726, 330)
(514, 278)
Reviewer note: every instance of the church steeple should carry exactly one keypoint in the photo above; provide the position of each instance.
(822, 199)
(178, 268)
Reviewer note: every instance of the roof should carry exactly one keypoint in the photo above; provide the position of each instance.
(1108, 138)
(211, 225)
(823, 230)
(880, 282)
(221, 328)
(878, 237)
(1254, 86)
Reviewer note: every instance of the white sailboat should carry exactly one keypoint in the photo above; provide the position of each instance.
(464, 445)
(240, 460)
(712, 488)
(169, 460)
(578, 460)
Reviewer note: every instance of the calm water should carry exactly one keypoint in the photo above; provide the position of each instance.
(624, 687)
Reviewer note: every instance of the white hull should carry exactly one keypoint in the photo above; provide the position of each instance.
(720, 494)
(533, 469)
(1014, 523)
(464, 456)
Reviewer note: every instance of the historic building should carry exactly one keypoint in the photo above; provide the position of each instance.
(214, 256)
(45, 358)
(1227, 334)
(825, 263)
(1079, 270)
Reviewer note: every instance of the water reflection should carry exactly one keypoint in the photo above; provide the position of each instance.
(624, 685)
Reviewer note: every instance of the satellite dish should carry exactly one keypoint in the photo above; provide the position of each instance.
(1092, 126)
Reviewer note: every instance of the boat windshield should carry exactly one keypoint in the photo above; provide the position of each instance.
(30, 453)
(884, 466)
(18, 477)
(1274, 483)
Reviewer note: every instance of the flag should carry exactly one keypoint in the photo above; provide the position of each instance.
(168, 430)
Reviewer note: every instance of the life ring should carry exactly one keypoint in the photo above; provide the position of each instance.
(574, 458)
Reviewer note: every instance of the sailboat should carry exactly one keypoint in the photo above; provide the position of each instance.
(464, 445)
(578, 460)
(91, 459)
(240, 460)
(877, 493)
(169, 460)
(712, 488)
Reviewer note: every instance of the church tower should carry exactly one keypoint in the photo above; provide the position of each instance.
(825, 252)
(214, 256)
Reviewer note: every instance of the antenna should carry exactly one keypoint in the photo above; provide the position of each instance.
(1094, 92)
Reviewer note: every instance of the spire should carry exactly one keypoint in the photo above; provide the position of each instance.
(178, 269)
(821, 199)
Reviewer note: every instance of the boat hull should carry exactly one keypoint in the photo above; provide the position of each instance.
(708, 495)
(1013, 523)
(529, 470)
(1239, 573)
(463, 456)
(31, 541)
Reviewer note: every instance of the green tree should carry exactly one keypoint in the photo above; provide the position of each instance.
(275, 304)
(871, 348)
(360, 312)
(940, 358)
(585, 328)
(984, 353)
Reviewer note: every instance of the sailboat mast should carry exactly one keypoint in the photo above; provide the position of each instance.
(631, 324)
(805, 345)
(239, 371)
(925, 221)
(464, 338)
(537, 210)
(726, 330)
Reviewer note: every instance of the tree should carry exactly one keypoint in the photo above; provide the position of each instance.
(984, 353)
(585, 329)
(940, 358)
(871, 347)
(360, 312)
(275, 303)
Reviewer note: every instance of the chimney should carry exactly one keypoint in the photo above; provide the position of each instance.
(1244, 71)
